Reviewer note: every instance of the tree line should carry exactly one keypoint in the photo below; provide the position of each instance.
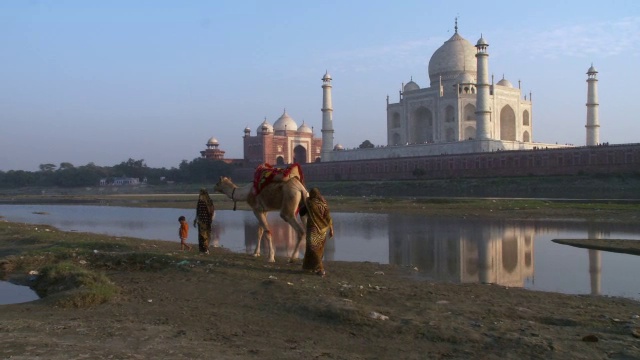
(65, 174)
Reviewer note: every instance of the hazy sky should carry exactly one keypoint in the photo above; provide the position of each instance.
(103, 81)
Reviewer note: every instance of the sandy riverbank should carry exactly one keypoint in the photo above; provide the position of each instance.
(171, 304)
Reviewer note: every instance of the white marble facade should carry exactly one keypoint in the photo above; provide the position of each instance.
(441, 118)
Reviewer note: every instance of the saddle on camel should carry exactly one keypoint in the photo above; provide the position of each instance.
(266, 174)
(272, 189)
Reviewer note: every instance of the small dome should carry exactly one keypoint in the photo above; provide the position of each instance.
(247, 129)
(305, 129)
(285, 122)
(465, 78)
(212, 141)
(505, 82)
(338, 147)
(265, 127)
(410, 86)
(592, 70)
(482, 42)
(326, 76)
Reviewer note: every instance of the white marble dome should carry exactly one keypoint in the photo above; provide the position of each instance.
(455, 56)
(305, 129)
(338, 147)
(505, 82)
(265, 127)
(285, 122)
(410, 86)
(213, 141)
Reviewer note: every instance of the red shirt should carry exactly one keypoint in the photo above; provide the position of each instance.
(184, 230)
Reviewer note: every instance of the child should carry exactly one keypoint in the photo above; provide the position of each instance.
(183, 232)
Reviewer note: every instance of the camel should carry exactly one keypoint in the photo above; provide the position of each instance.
(285, 196)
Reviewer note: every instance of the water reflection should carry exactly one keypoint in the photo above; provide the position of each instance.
(284, 240)
(445, 251)
(14, 294)
(595, 263)
(510, 253)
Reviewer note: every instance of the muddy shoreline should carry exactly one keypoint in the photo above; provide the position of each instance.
(172, 304)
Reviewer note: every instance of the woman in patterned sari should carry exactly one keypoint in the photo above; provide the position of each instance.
(319, 222)
(204, 217)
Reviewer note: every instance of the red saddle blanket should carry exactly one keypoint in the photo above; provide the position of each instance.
(265, 174)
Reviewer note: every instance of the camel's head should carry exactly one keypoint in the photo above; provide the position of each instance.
(220, 185)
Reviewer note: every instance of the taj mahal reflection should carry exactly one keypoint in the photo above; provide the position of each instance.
(443, 250)
(448, 249)
(459, 250)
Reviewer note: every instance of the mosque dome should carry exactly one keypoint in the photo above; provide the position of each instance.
(326, 76)
(247, 129)
(455, 56)
(338, 147)
(465, 78)
(304, 129)
(410, 86)
(213, 141)
(592, 70)
(265, 127)
(505, 82)
(285, 122)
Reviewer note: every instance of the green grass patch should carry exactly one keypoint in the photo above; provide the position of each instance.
(71, 266)
(81, 287)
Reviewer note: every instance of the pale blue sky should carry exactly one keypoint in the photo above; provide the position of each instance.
(104, 81)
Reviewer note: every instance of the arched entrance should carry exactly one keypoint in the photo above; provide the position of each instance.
(450, 135)
(469, 122)
(469, 133)
(300, 154)
(396, 139)
(422, 130)
(395, 122)
(507, 124)
(525, 118)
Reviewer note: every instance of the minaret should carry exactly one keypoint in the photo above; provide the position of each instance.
(593, 121)
(327, 119)
(483, 113)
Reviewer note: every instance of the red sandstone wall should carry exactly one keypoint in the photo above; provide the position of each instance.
(571, 161)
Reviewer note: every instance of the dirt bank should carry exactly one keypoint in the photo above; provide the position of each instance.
(176, 305)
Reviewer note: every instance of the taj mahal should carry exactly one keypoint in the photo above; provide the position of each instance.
(461, 111)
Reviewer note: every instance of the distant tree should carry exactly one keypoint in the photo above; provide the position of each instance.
(47, 167)
(203, 170)
(366, 145)
(17, 178)
(65, 166)
(131, 168)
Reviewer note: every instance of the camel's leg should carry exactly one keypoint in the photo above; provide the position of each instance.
(297, 227)
(262, 220)
(272, 250)
(256, 251)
